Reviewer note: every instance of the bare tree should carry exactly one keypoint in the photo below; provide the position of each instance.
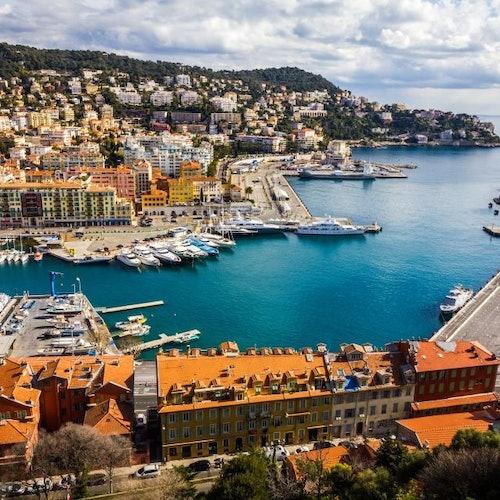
(45, 460)
(114, 452)
(175, 484)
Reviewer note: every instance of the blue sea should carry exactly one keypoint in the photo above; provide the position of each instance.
(291, 291)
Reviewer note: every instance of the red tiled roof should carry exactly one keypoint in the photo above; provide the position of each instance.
(487, 397)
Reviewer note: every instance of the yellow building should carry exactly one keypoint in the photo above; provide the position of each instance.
(190, 169)
(180, 191)
(154, 199)
(54, 204)
(224, 401)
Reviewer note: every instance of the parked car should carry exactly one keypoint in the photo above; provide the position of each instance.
(151, 470)
(277, 452)
(97, 479)
(319, 445)
(68, 480)
(199, 466)
(302, 449)
(16, 489)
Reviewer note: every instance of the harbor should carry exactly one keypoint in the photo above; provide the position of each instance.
(278, 286)
(162, 340)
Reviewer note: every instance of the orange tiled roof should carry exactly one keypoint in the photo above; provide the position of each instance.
(15, 382)
(118, 370)
(110, 418)
(439, 429)
(328, 456)
(469, 399)
(15, 432)
(449, 355)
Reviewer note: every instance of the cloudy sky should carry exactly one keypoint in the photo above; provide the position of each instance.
(426, 53)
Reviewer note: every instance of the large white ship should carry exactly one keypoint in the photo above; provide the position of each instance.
(329, 227)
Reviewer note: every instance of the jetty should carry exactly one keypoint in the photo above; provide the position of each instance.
(161, 341)
(129, 307)
(478, 320)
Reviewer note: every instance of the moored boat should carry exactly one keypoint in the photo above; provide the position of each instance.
(457, 297)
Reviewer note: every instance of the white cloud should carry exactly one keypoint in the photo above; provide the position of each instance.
(369, 44)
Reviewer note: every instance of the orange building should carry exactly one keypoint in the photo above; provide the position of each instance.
(122, 178)
(431, 431)
(190, 169)
(451, 376)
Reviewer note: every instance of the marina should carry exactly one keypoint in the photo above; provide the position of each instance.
(339, 289)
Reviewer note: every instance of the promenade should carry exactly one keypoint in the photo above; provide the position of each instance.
(478, 320)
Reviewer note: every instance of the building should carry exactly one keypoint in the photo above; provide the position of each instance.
(190, 169)
(184, 80)
(143, 172)
(451, 376)
(180, 191)
(268, 144)
(154, 200)
(224, 104)
(161, 98)
(431, 431)
(227, 401)
(122, 178)
(62, 203)
(206, 189)
(67, 160)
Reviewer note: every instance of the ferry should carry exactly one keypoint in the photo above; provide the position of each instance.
(457, 297)
(329, 227)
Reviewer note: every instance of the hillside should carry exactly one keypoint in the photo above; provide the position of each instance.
(16, 58)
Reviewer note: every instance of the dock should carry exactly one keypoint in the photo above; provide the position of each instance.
(478, 320)
(155, 344)
(129, 307)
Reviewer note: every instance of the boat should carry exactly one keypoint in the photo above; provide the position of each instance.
(166, 256)
(145, 255)
(233, 230)
(64, 307)
(203, 246)
(137, 318)
(457, 297)
(220, 240)
(132, 321)
(3, 258)
(93, 259)
(329, 227)
(335, 174)
(136, 330)
(183, 337)
(129, 259)
(255, 225)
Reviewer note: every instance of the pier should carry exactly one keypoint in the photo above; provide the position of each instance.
(155, 344)
(129, 307)
(478, 320)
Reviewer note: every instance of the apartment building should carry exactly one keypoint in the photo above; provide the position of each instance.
(161, 98)
(143, 172)
(63, 161)
(180, 191)
(122, 178)
(206, 189)
(225, 401)
(451, 376)
(154, 200)
(61, 203)
(268, 144)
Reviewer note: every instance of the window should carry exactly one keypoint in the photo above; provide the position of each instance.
(441, 387)
(241, 410)
(185, 416)
(199, 415)
(374, 395)
(361, 410)
(349, 413)
(213, 414)
(199, 446)
(5, 415)
(386, 394)
(239, 426)
(226, 412)
(251, 425)
(408, 391)
(421, 389)
(326, 416)
(199, 431)
(213, 429)
(276, 436)
(277, 406)
(462, 385)
(186, 432)
(172, 452)
(338, 413)
(384, 409)
(265, 423)
(226, 428)
(291, 405)
(314, 416)
(225, 443)
(315, 402)
(487, 381)
(301, 433)
(171, 434)
(396, 393)
(407, 406)
(463, 372)
(326, 400)
(265, 407)
(432, 388)
(489, 370)
(453, 373)
(373, 410)
(395, 408)
(451, 387)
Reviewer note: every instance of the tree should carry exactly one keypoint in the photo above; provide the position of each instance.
(376, 484)
(248, 190)
(176, 484)
(45, 460)
(340, 479)
(472, 438)
(314, 474)
(114, 451)
(390, 454)
(243, 478)
(470, 474)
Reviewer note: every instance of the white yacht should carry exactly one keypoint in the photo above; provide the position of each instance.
(145, 255)
(219, 240)
(329, 227)
(128, 258)
(255, 225)
(3, 258)
(457, 297)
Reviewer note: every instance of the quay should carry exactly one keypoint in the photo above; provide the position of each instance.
(154, 344)
(478, 320)
(129, 307)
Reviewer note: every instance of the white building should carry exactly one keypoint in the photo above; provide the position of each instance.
(128, 96)
(224, 104)
(189, 97)
(161, 98)
(184, 80)
(75, 86)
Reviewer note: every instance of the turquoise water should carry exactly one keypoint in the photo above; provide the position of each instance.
(290, 291)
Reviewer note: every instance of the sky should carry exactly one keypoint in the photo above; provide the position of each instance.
(441, 54)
